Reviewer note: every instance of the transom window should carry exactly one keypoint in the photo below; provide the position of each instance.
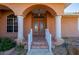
(12, 23)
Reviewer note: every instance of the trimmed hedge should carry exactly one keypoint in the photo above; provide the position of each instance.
(6, 44)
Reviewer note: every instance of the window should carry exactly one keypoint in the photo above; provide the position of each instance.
(12, 23)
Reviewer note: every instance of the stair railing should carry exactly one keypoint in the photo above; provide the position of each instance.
(30, 38)
(48, 39)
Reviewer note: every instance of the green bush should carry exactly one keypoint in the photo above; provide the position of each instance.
(6, 44)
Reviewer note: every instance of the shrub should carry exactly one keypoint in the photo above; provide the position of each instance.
(20, 49)
(6, 43)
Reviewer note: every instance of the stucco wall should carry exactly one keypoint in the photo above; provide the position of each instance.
(51, 24)
(69, 26)
(27, 24)
(3, 26)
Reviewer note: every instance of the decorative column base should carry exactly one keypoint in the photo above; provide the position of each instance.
(18, 41)
(59, 42)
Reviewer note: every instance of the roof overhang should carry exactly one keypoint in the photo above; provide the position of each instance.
(74, 13)
(67, 4)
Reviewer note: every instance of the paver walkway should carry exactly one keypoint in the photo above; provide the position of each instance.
(39, 52)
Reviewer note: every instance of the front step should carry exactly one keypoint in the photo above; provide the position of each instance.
(39, 45)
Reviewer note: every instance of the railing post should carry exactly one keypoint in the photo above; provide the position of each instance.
(28, 43)
(50, 43)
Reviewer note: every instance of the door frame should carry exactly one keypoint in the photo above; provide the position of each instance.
(45, 19)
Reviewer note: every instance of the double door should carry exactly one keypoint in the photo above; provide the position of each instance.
(39, 25)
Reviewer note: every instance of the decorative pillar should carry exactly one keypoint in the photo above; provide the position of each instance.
(20, 28)
(58, 27)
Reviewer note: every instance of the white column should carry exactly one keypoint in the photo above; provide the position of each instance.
(78, 24)
(58, 27)
(20, 27)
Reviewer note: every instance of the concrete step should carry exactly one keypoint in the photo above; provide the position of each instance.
(39, 44)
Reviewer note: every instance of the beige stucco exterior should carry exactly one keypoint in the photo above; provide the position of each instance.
(3, 26)
(27, 24)
(68, 24)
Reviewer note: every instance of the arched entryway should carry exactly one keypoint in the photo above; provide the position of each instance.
(38, 18)
(38, 12)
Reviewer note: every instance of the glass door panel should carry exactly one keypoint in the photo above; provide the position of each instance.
(36, 27)
(35, 24)
(41, 26)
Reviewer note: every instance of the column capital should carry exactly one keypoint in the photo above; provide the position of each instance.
(58, 16)
(20, 16)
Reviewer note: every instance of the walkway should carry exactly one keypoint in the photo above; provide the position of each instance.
(39, 52)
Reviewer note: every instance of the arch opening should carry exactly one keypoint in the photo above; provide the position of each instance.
(39, 6)
(39, 17)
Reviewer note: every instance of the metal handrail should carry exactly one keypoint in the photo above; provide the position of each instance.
(29, 40)
(48, 39)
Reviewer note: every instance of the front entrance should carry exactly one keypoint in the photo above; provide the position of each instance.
(39, 25)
